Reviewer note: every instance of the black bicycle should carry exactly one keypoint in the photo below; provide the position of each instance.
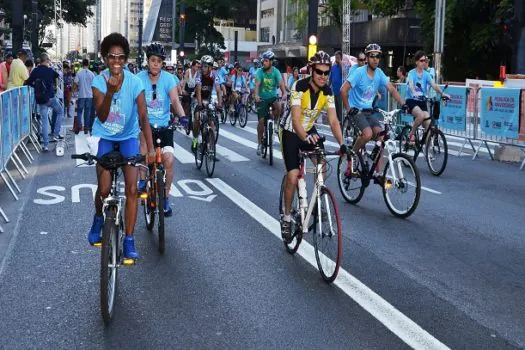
(111, 257)
(431, 141)
(267, 139)
(206, 149)
(400, 175)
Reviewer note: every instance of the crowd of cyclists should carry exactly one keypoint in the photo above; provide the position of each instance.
(130, 103)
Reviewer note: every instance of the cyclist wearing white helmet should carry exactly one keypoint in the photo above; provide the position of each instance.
(358, 93)
(267, 79)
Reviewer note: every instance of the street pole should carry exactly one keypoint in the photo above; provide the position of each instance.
(313, 10)
(173, 28)
(439, 37)
(34, 27)
(17, 9)
(182, 16)
(139, 48)
(235, 46)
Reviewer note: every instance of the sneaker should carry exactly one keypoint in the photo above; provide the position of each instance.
(194, 145)
(59, 137)
(94, 234)
(141, 187)
(130, 252)
(45, 149)
(259, 149)
(167, 208)
(286, 231)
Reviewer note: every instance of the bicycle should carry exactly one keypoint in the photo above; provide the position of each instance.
(305, 215)
(433, 139)
(267, 139)
(394, 178)
(111, 257)
(240, 112)
(206, 148)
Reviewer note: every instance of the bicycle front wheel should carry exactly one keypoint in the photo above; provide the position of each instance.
(243, 116)
(189, 127)
(402, 185)
(216, 122)
(436, 152)
(149, 206)
(210, 153)
(296, 218)
(199, 154)
(108, 266)
(270, 142)
(160, 208)
(328, 235)
(351, 185)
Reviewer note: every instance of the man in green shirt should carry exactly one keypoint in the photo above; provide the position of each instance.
(267, 80)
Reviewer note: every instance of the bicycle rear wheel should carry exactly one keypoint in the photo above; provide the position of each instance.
(296, 217)
(351, 185)
(160, 209)
(270, 142)
(407, 184)
(190, 124)
(149, 206)
(265, 142)
(348, 132)
(243, 116)
(436, 152)
(328, 236)
(210, 153)
(216, 122)
(108, 266)
(233, 118)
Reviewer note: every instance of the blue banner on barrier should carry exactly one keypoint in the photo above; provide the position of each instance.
(6, 127)
(15, 118)
(453, 112)
(404, 118)
(26, 111)
(500, 110)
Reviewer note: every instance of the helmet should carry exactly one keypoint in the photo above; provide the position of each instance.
(372, 48)
(215, 65)
(268, 55)
(255, 60)
(156, 49)
(206, 59)
(320, 57)
(230, 66)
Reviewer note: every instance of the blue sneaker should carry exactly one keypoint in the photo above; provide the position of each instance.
(167, 208)
(94, 234)
(141, 187)
(129, 248)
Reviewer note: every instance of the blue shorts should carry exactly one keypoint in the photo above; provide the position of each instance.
(128, 148)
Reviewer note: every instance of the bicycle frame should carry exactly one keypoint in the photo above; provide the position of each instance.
(114, 199)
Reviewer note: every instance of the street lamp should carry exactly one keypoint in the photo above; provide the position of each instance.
(312, 46)
(24, 31)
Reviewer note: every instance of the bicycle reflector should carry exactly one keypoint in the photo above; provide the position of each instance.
(388, 184)
(128, 262)
(143, 195)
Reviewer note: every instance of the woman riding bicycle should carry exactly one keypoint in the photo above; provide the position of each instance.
(239, 86)
(309, 98)
(120, 104)
(161, 92)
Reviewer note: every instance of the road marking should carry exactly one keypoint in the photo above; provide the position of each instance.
(182, 155)
(328, 143)
(244, 142)
(223, 151)
(399, 324)
(430, 190)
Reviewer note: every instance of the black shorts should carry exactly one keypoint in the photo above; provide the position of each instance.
(291, 144)
(367, 119)
(412, 103)
(165, 136)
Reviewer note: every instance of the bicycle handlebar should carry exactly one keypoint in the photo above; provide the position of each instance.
(88, 157)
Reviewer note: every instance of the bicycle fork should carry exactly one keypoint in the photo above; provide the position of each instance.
(390, 146)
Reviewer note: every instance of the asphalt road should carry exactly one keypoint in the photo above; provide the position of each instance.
(451, 275)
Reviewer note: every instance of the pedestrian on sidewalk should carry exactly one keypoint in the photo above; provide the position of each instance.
(83, 81)
(336, 81)
(18, 73)
(44, 79)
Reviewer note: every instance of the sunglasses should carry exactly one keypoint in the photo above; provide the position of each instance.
(375, 56)
(170, 69)
(119, 56)
(205, 65)
(361, 59)
(423, 60)
(322, 72)
(154, 86)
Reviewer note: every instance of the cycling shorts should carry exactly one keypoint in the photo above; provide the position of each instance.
(128, 148)
(413, 103)
(365, 119)
(290, 146)
(264, 106)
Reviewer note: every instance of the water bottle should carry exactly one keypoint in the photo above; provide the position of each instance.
(375, 151)
(302, 194)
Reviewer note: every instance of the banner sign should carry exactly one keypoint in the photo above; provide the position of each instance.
(26, 111)
(6, 127)
(15, 118)
(500, 110)
(453, 112)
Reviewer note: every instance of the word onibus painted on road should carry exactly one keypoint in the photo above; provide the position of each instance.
(51, 195)
(453, 112)
(500, 109)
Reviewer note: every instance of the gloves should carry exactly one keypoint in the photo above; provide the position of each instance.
(184, 121)
(343, 149)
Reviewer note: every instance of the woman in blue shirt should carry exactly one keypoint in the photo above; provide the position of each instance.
(239, 86)
(120, 103)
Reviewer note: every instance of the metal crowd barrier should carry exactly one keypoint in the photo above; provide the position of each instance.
(480, 115)
(18, 128)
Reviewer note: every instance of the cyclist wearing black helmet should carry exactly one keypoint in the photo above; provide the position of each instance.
(161, 93)
(310, 97)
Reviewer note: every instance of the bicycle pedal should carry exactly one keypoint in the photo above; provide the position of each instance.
(97, 245)
(128, 262)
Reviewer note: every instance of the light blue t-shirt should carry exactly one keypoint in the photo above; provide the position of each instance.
(158, 109)
(352, 70)
(252, 72)
(425, 82)
(364, 89)
(221, 75)
(238, 82)
(123, 119)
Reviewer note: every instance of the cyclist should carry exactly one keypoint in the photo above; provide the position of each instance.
(161, 92)
(239, 85)
(251, 76)
(310, 97)
(359, 91)
(419, 82)
(205, 84)
(188, 85)
(267, 79)
(222, 72)
(121, 106)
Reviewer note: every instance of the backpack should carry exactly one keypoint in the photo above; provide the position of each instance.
(41, 95)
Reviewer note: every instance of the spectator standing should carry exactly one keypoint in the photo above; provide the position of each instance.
(5, 67)
(336, 80)
(18, 73)
(401, 74)
(82, 82)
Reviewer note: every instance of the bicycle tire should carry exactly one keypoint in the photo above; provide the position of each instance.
(223, 115)
(109, 275)
(189, 127)
(210, 153)
(348, 131)
(344, 181)
(199, 153)
(217, 127)
(149, 206)
(296, 231)
(233, 118)
(243, 116)
(430, 145)
(270, 143)
(333, 235)
(265, 142)
(160, 209)
(409, 164)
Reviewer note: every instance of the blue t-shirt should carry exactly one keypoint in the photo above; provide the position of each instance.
(158, 109)
(48, 77)
(364, 89)
(238, 84)
(123, 119)
(221, 75)
(425, 81)
(336, 77)
(352, 70)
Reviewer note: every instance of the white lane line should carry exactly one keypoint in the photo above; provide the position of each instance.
(182, 155)
(223, 151)
(81, 146)
(430, 190)
(399, 324)
(244, 142)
